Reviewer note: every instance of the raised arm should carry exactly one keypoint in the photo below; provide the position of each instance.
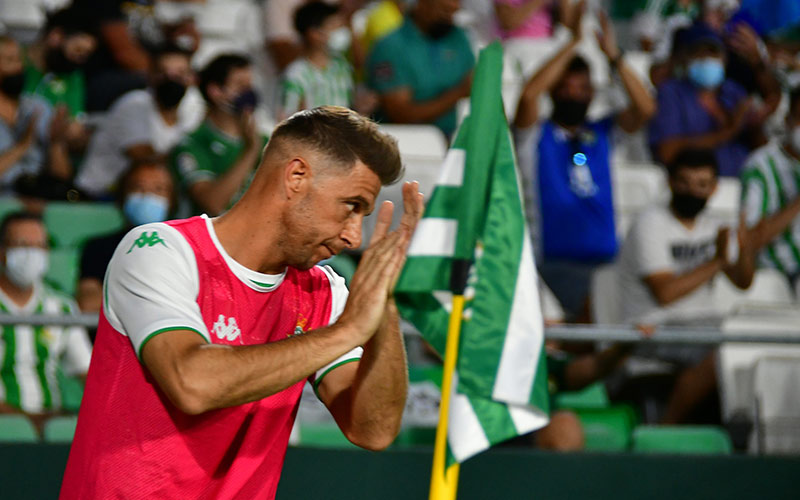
(511, 17)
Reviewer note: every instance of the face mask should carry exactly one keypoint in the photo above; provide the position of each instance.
(687, 206)
(12, 85)
(144, 208)
(339, 40)
(169, 93)
(26, 266)
(440, 30)
(246, 101)
(569, 112)
(58, 63)
(707, 73)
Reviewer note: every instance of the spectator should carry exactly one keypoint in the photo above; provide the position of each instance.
(121, 62)
(672, 253)
(33, 353)
(215, 162)
(423, 68)
(704, 110)
(141, 124)
(321, 75)
(146, 195)
(524, 18)
(32, 137)
(282, 41)
(565, 162)
(55, 68)
(771, 199)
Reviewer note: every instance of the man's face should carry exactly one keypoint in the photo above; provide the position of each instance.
(78, 47)
(328, 217)
(10, 59)
(319, 37)
(699, 182)
(239, 80)
(153, 179)
(438, 11)
(575, 86)
(175, 67)
(24, 233)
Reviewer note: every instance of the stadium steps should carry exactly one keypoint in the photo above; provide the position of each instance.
(698, 440)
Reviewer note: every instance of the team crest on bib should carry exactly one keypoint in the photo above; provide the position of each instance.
(226, 331)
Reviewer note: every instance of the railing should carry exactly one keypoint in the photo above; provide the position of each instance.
(590, 333)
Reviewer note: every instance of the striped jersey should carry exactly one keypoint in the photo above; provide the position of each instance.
(31, 356)
(307, 86)
(770, 181)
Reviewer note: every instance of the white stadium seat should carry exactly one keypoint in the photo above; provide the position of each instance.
(776, 405)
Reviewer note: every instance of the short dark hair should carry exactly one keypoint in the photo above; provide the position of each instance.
(69, 20)
(313, 15)
(14, 217)
(693, 158)
(218, 69)
(346, 137)
(577, 65)
(154, 161)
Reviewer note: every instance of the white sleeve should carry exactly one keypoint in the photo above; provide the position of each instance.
(152, 284)
(651, 246)
(130, 123)
(339, 294)
(77, 351)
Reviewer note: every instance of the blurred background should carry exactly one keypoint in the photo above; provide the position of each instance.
(658, 142)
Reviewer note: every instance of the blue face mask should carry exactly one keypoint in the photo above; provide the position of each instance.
(144, 208)
(707, 73)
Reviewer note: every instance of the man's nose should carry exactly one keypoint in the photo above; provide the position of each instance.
(351, 234)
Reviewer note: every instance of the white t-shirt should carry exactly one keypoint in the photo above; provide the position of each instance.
(133, 119)
(658, 242)
(147, 292)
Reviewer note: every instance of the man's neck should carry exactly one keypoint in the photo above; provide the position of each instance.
(8, 108)
(422, 24)
(318, 57)
(18, 295)
(787, 146)
(224, 121)
(688, 223)
(169, 115)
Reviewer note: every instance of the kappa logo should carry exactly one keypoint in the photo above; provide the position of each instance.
(147, 240)
(226, 331)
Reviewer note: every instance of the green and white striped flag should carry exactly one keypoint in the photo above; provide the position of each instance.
(476, 215)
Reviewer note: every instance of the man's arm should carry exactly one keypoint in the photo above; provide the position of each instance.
(668, 287)
(367, 398)
(90, 294)
(548, 75)
(125, 50)
(59, 165)
(12, 155)
(400, 106)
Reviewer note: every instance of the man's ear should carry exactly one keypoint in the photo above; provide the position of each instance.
(297, 177)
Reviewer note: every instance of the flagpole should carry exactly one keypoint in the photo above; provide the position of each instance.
(444, 483)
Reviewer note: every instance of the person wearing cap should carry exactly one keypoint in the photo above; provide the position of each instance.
(703, 109)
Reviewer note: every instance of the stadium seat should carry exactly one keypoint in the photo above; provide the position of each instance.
(62, 273)
(22, 19)
(593, 396)
(71, 224)
(636, 187)
(769, 286)
(607, 429)
(17, 429)
(71, 392)
(724, 204)
(777, 404)
(9, 205)
(60, 429)
(699, 440)
(605, 296)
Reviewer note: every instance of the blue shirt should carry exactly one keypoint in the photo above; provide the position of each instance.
(407, 58)
(681, 114)
(570, 179)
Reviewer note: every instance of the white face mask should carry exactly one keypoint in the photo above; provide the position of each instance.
(26, 266)
(339, 40)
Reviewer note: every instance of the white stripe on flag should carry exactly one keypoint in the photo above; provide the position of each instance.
(527, 418)
(524, 336)
(434, 237)
(464, 431)
(453, 168)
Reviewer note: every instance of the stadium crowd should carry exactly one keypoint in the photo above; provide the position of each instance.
(163, 109)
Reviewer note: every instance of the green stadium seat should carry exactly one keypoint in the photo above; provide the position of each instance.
(71, 224)
(607, 429)
(593, 396)
(64, 268)
(16, 428)
(701, 440)
(410, 437)
(323, 435)
(9, 205)
(60, 429)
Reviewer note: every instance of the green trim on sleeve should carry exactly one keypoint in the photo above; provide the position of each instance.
(337, 365)
(163, 330)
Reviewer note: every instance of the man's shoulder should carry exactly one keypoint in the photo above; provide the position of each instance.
(135, 99)
(653, 218)
(152, 241)
(761, 157)
(297, 69)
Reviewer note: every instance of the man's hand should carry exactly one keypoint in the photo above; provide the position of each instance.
(380, 266)
(745, 42)
(29, 136)
(607, 38)
(249, 131)
(59, 125)
(572, 16)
